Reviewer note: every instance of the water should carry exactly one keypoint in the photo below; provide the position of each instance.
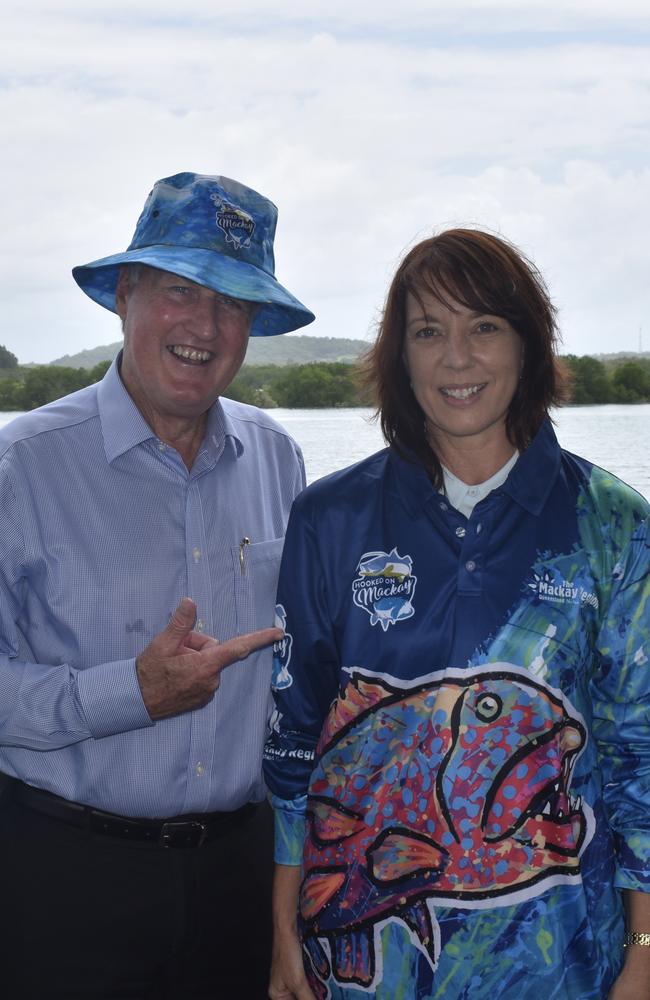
(614, 437)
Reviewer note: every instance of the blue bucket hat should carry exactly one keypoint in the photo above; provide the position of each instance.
(214, 231)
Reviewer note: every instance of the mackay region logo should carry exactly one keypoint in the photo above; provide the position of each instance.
(384, 587)
(238, 226)
(281, 678)
(549, 587)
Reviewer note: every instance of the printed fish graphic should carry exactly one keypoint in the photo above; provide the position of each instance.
(380, 564)
(450, 791)
(390, 609)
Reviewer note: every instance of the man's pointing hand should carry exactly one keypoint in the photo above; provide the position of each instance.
(180, 669)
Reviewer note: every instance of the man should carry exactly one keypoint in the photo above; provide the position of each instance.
(142, 522)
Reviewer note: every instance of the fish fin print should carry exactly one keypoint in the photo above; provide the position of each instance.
(359, 696)
(317, 890)
(418, 920)
(369, 692)
(353, 957)
(331, 823)
(397, 855)
(317, 957)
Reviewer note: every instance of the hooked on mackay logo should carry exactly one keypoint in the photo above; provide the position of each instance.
(238, 226)
(384, 587)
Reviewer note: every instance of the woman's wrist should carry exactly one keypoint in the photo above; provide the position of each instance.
(638, 938)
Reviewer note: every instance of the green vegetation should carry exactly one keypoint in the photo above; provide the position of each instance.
(621, 381)
(7, 359)
(318, 384)
(24, 388)
(323, 384)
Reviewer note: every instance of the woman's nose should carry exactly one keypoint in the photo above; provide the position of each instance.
(458, 352)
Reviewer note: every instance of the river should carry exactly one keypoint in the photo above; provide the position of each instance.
(614, 437)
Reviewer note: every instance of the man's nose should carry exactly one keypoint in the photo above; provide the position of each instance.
(204, 321)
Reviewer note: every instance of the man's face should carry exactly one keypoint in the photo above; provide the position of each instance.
(183, 344)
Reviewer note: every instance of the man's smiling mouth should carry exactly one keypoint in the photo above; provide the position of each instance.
(462, 393)
(190, 354)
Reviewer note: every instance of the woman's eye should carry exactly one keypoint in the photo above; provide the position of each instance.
(426, 332)
(486, 327)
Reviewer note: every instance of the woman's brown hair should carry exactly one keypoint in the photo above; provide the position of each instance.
(487, 274)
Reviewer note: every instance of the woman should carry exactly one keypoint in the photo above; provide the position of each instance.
(463, 686)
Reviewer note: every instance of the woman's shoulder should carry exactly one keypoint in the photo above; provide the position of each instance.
(603, 490)
(347, 483)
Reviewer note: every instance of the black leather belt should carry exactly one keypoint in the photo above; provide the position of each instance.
(192, 830)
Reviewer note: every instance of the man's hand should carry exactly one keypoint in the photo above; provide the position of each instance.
(179, 670)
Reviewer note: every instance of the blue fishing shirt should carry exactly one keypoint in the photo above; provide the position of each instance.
(464, 702)
(104, 530)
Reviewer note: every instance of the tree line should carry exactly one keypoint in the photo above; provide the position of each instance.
(620, 381)
(319, 384)
(314, 385)
(24, 387)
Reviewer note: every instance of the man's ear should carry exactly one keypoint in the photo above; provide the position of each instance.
(121, 293)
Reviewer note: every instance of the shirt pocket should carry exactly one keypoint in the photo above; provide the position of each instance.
(256, 567)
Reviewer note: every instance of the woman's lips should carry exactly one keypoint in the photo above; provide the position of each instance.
(462, 391)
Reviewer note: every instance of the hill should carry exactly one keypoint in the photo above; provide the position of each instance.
(299, 350)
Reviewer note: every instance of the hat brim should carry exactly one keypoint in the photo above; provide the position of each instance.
(279, 312)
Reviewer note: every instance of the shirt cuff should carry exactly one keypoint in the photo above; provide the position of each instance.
(290, 824)
(110, 698)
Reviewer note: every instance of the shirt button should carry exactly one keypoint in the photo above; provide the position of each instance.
(460, 532)
(473, 490)
(200, 625)
(470, 565)
(196, 553)
(200, 769)
(161, 446)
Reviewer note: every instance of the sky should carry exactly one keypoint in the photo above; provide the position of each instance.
(370, 124)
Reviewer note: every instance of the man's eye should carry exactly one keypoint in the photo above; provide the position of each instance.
(233, 305)
(181, 289)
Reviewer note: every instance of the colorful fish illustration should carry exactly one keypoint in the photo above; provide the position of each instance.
(454, 791)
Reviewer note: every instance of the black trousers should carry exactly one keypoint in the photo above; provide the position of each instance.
(89, 917)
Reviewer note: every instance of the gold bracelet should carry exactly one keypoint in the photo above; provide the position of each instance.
(636, 937)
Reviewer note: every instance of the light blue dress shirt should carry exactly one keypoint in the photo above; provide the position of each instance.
(103, 531)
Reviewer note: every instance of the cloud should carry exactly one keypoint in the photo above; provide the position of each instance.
(368, 124)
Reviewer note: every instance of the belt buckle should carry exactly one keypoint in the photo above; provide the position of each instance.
(183, 833)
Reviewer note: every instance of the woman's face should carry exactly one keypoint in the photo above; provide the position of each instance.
(464, 369)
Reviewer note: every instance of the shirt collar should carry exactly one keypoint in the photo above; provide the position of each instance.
(411, 482)
(124, 427)
(529, 482)
(464, 497)
(534, 475)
